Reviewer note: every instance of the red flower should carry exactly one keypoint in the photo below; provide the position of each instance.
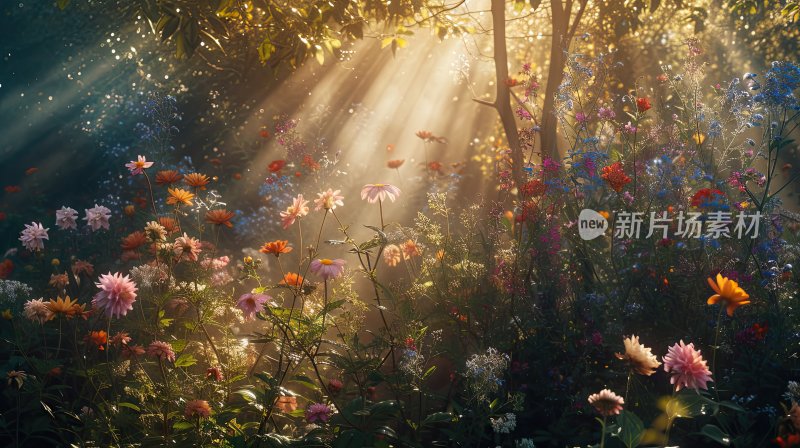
(790, 441)
(6, 268)
(276, 165)
(643, 104)
(615, 176)
(706, 196)
(264, 133)
(13, 189)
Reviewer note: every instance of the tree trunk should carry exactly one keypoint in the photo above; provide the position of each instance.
(548, 136)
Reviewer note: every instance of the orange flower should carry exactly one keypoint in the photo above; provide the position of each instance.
(178, 196)
(435, 166)
(169, 224)
(168, 177)
(6, 268)
(615, 176)
(31, 170)
(220, 217)
(410, 249)
(395, 164)
(129, 210)
(196, 180)
(98, 338)
(276, 248)
(292, 279)
(59, 281)
(65, 306)
(286, 404)
(134, 241)
(729, 292)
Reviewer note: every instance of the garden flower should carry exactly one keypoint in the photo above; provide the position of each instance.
(335, 386)
(138, 166)
(395, 164)
(214, 373)
(504, 424)
(276, 248)
(196, 180)
(292, 279)
(286, 404)
(328, 200)
(65, 306)
(276, 165)
(169, 224)
(298, 209)
(615, 176)
(132, 351)
(67, 218)
(155, 231)
(161, 350)
(97, 217)
(687, 367)
(187, 248)
(16, 377)
(120, 339)
(134, 241)
(327, 268)
(606, 113)
(607, 403)
(220, 217)
(33, 236)
(98, 338)
(252, 303)
(373, 192)
(318, 412)
(197, 408)
(706, 197)
(59, 281)
(116, 296)
(410, 249)
(392, 255)
(643, 104)
(179, 196)
(640, 359)
(729, 292)
(37, 311)
(168, 177)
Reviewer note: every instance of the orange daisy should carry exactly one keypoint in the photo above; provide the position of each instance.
(98, 338)
(134, 241)
(196, 180)
(276, 248)
(292, 279)
(169, 224)
(729, 292)
(178, 196)
(65, 306)
(168, 177)
(220, 217)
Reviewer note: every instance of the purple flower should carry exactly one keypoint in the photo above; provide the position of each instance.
(318, 412)
(251, 304)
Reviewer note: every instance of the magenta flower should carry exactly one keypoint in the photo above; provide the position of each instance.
(329, 200)
(67, 218)
(161, 350)
(318, 412)
(298, 209)
(116, 295)
(97, 217)
(186, 247)
(373, 192)
(33, 236)
(138, 166)
(606, 114)
(327, 268)
(251, 304)
(687, 367)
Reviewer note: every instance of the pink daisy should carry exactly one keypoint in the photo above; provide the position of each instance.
(251, 304)
(37, 311)
(67, 218)
(161, 350)
(687, 367)
(138, 166)
(318, 412)
(298, 209)
(373, 192)
(607, 403)
(327, 268)
(33, 236)
(187, 248)
(329, 200)
(116, 295)
(97, 217)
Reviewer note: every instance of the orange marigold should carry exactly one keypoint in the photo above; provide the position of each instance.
(292, 279)
(276, 248)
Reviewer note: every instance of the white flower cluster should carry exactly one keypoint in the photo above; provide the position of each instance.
(147, 276)
(524, 443)
(13, 292)
(485, 372)
(504, 424)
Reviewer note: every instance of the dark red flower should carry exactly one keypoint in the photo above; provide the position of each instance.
(643, 104)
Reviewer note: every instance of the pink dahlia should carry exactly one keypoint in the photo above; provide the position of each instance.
(67, 218)
(37, 311)
(607, 403)
(318, 412)
(373, 192)
(116, 296)
(298, 209)
(187, 248)
(687, 367)
(197, 408)
(327, 268)
(251, 304)
(161, 350)
(138, 166)
(392, 255)
(97, 217)
(329, 200)
(33, 236)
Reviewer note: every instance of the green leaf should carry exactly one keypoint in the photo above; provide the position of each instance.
(130, 406)
(266, 50)
(631, 428)
(716, 434)
(437, 417)
(185, 360)
(178, 426)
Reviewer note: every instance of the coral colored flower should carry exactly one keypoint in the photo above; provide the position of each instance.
(67, 218)
(706, 197)
(187, 248)
(138, 166)
(97, 217)
(98, 338)
(435, 166)
(729, 292)
(329, 200)
(33, 236)
(214, 373)
(134, 241)
(37, 311)
(643, 104)
(392, 255)
(335, 386)
(327, 268)
(120, 339)
(292, 279)
(169, 224)
(197, 408)
(179, 196)
(196, 180)
(116, 296)
(286, 404)
(395, 164)
(789, 441)
(168, 177)
(410, 249)
(615, 176)
(220, 217)
(687, 367)
(607, 403)
(161, 350)
(298, 209)
(132, 351)
(640, 359)
(251, 304)
(276, 165)
(276, 248)
(318, 412)
(373, 192)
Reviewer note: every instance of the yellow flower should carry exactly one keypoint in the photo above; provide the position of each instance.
(65, 306)
(179, 196)
(7, 314)
(729, 292)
